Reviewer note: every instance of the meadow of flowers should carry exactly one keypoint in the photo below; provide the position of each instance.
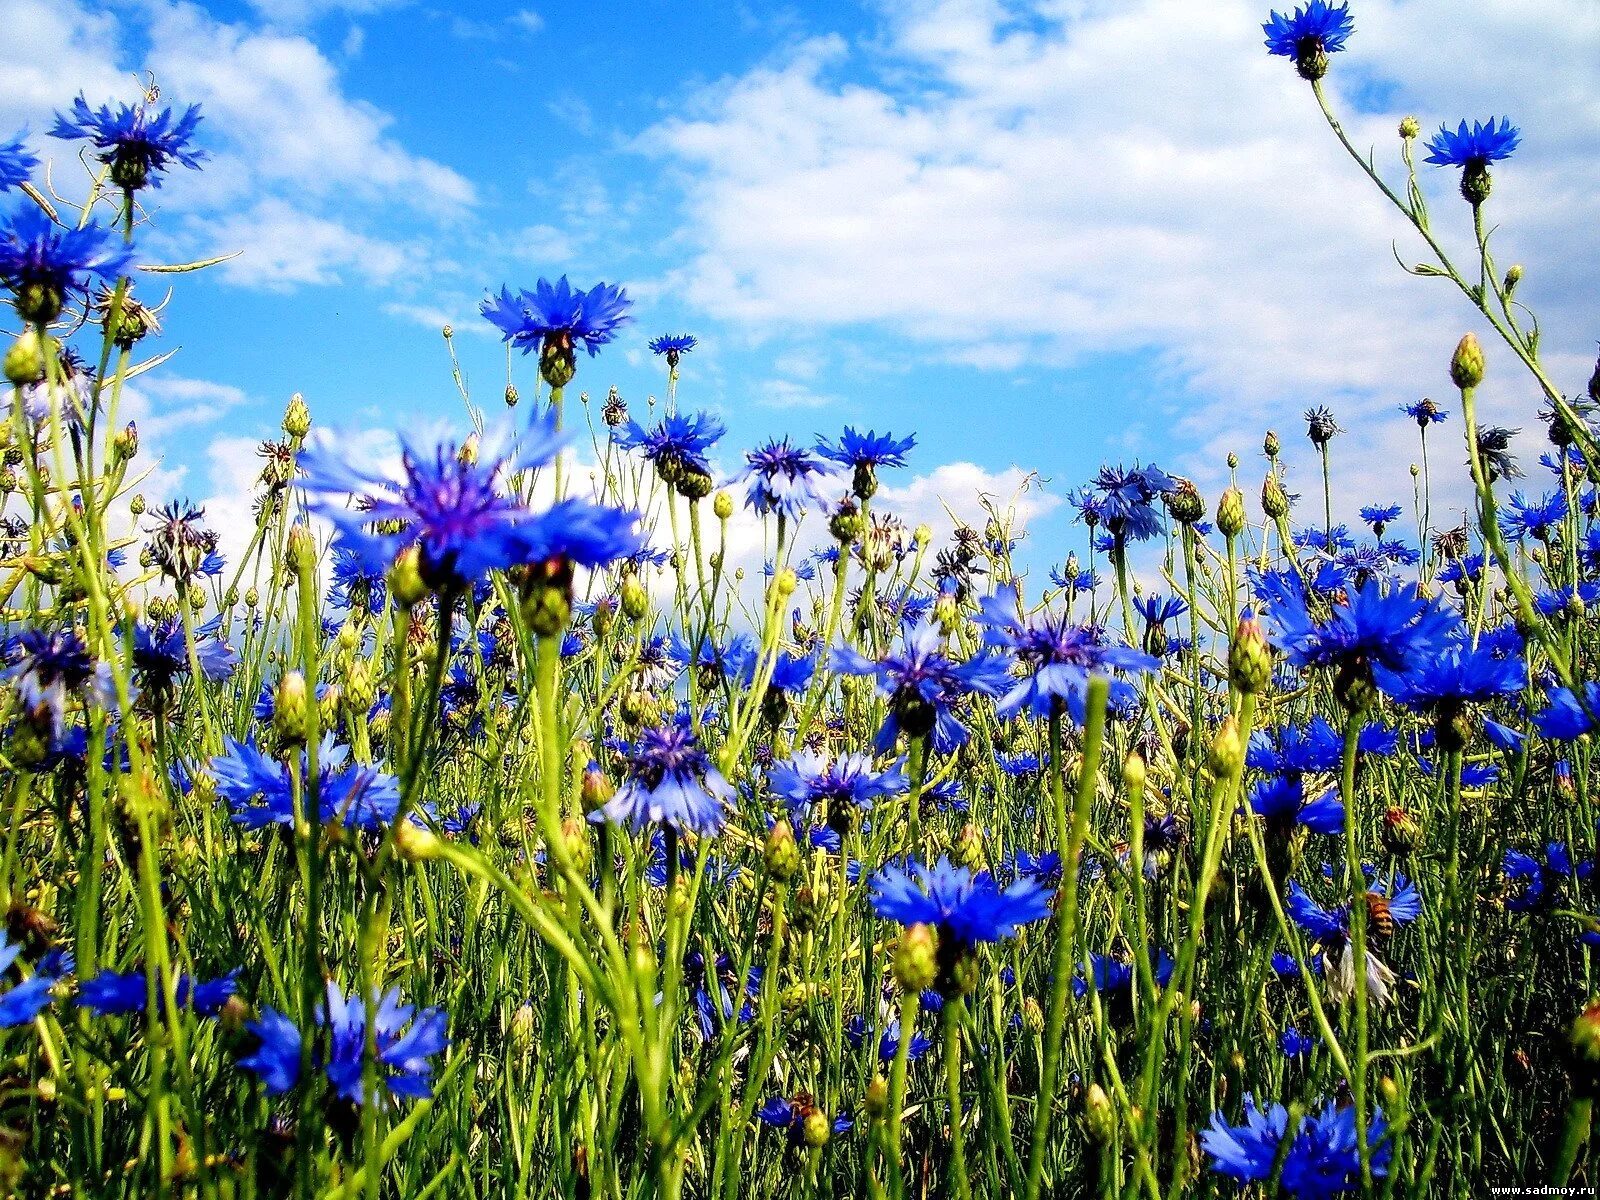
(477, 833)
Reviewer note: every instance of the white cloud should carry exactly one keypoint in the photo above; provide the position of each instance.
(1050, 182)
(282, 247)
(527, 20)
(787, 394)
(163, 403)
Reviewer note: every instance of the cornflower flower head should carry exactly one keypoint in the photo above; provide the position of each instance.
(136, 142)
(1373, 636)
(112, 993)
(1457, 677)
(555, 318)
(259, 791)
(1425, 412)
(17, 163)
(838, 788)
(1529, 882)
(450, 504)
(1310, 35)
(356, 587)
(1158, 609)
(161, 657)
(1321, 428)
(1124, 500)
(804, 1123)
(864, 453)
(1537, 519)
(1494, 447)
(275, 1059)
(1057, 657)
(179, 544)
(673, 346)
(1566, 717)
(22, 1003)
(1331, 928)
(1282, 805)
(405, 1040)
(787, 479)
(964, 908)
(714, 990)
(49, 667)
(1322, 1160)
(923, 685)
(856, 1031)
(670, 780)
(1473, 150)
(45, 264)
(1380, 517)
(676, 445)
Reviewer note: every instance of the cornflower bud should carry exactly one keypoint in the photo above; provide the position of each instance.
(1249, 656)
(291, 710)
(1410, 128)
(405, 578)
(877, 1098)
(1230, 512)
(722, 506)
(24, 362)
(1270, 445)
(1466, 365)
(635, 598)
(786, 582)
(1226, 756)
(125, 445)
(415, 843)
(1133, 774)
(816, 1129)
(1401, 834)
(297, 417)
(916, 958)
(1274, 500)
(781, 854)
(512, 395)
(1099, 1115)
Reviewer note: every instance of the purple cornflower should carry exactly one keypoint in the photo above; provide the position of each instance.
(134, 142)
(671, 779)
(787, 479)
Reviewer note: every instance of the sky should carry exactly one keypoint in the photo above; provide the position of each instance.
(1042, 236)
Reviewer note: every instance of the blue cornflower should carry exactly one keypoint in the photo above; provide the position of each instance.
(1463, 571)
(1424, 412)
(1558, 602)
(834, 787)
(677, 444)
(555, 316)
(258, 789)
(1057, 656)
(1528, 880)
(1379, 516)
(723, 979)
(1113, 977)
(1457, 676)
(1537, 519)
(50, 667)
(276, 1057)
(29, 998)
(1310, 35)
(793, 1115)
(673, 346)
(161, 656)
(963, 907)
(791, 673)
(135, 143)
(787, 479)
(356, 586)
(1322, 1161)
(1125, 501)
(1296, 1044)
(113, 993)
(1025, 763)
(42, 262)
(405, 1038)
(577, 531)
(1282, 804)
(450, 506)
(1331, 927)
(923, 685)
(1476, 147)
(1565, 717)
(856, 1031)
(670, 780)
(17, 164)
(1374, 633)
(1158, 609)
(864, 453)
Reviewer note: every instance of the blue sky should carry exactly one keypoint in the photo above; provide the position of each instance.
(1041, 235)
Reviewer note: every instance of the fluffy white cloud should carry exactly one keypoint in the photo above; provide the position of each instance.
(1052, 181)
(281, 247)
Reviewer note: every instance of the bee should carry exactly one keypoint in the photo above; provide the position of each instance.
(1378, 914)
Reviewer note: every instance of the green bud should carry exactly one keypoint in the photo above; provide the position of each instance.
(297, 417)
(25, 360)
(694, 484)
(125, 445)
(877, 1098)
(291, 710)
(847, 523)
(1513, 277)
(781, 855)
(1099, 1115)
(512, 396)
(1249, 657)
(1410, 128)
(1274, 500)
(1133, 774)
(405, 578)
(575, 839)
(916, 958)
(722, 506)
(1225, 757)
(1185, 503)
(1466, 365)
(635, 598)
(1230, 512)
(969, 847)
(1401, 834)
(594, 789)
(816, 1129)
(1270, 445)
(786, 582)
(415, 843)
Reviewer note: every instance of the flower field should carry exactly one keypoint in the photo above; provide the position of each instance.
(481, 831)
